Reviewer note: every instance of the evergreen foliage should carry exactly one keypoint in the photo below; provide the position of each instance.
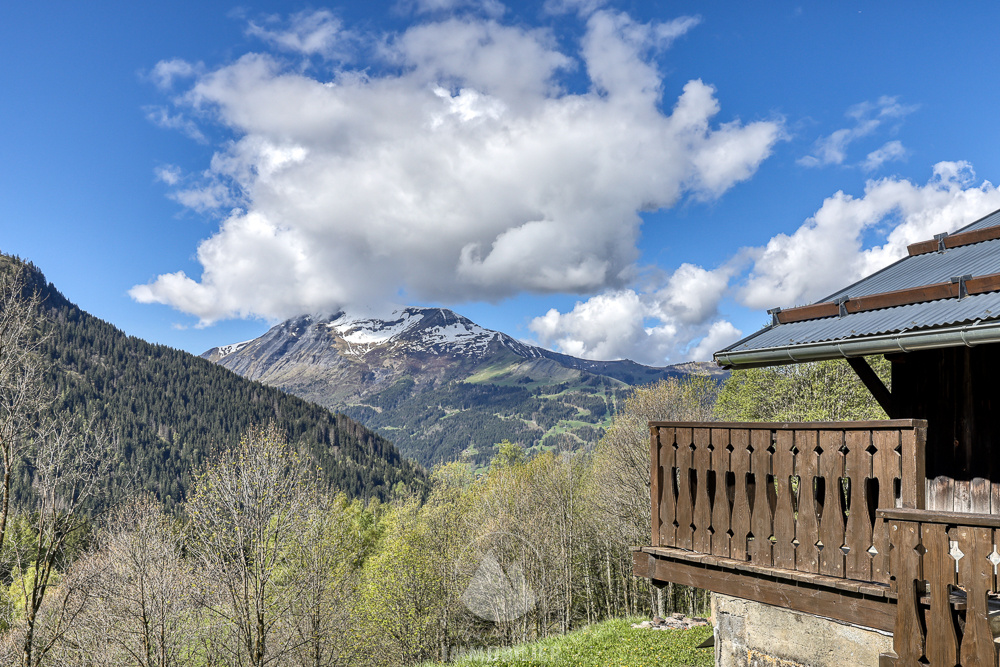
(171, 410)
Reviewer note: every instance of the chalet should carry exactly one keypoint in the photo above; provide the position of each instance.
(869, 543)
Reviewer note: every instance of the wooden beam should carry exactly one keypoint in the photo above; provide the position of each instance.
(903, 297)
(813, 312)
(874, 384)
(850, 607)
(922, 247)
(955, 240)
(920, 294)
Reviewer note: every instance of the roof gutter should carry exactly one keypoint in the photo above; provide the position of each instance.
(969, 335)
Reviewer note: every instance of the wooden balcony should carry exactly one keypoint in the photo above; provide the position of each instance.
(829, 519)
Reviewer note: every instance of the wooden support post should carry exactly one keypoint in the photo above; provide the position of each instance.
(874, 384)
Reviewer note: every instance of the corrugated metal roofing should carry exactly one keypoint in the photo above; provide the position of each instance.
(977, 259)
(944, 312)
(991, 220)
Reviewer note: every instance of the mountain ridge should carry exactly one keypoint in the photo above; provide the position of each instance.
(401, 375)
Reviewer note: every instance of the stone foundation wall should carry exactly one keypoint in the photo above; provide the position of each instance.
(753, 634)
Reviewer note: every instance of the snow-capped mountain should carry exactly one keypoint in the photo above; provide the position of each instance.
(424, 330)
(437, 383)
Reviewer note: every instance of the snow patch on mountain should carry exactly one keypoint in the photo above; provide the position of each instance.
(416, 329)
(226, 350)
(371, 331)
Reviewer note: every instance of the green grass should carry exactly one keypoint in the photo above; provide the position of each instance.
(611, 643)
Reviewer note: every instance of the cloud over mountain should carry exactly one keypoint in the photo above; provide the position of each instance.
(471, 164)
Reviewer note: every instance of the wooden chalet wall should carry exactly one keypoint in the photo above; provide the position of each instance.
(957, 390)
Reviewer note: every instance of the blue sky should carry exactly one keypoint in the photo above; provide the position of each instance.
(610, 179)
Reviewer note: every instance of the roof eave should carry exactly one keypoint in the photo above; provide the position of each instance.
(969, 335)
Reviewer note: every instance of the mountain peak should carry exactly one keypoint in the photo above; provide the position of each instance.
(438, 383)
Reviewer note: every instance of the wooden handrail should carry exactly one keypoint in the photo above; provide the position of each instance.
(947, 518)
(875, 424)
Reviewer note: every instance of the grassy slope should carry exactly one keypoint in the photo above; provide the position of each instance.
(613, 642)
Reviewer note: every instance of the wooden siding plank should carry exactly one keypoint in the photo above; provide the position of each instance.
(913, 460)
(941, 494)
(963, 496)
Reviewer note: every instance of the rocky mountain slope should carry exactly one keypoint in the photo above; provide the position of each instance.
(439, 385)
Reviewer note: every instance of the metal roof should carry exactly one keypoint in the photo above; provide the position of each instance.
(944, 312)
(991, 220)
(935, 267)
(912, 271)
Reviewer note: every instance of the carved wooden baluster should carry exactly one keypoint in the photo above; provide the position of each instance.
(784, 511)
(740, 461)
(668, 503)
(858, 468)
(760, 517)
(976, 576)
(908, 637)
(807, 525)
(685, 507)
(702, 501)
(831, 528)
(721, 510)
(939, 566)
(886, 468)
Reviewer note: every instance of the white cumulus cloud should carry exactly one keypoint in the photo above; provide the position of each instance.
(847, 239)
(677, 322)
(462, 170)
(828, 251)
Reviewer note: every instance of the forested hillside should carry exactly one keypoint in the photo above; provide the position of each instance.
(171, 410)
(263, 566)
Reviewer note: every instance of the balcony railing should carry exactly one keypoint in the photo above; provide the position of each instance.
(944, 567)
(830, 519)
(795, 496)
